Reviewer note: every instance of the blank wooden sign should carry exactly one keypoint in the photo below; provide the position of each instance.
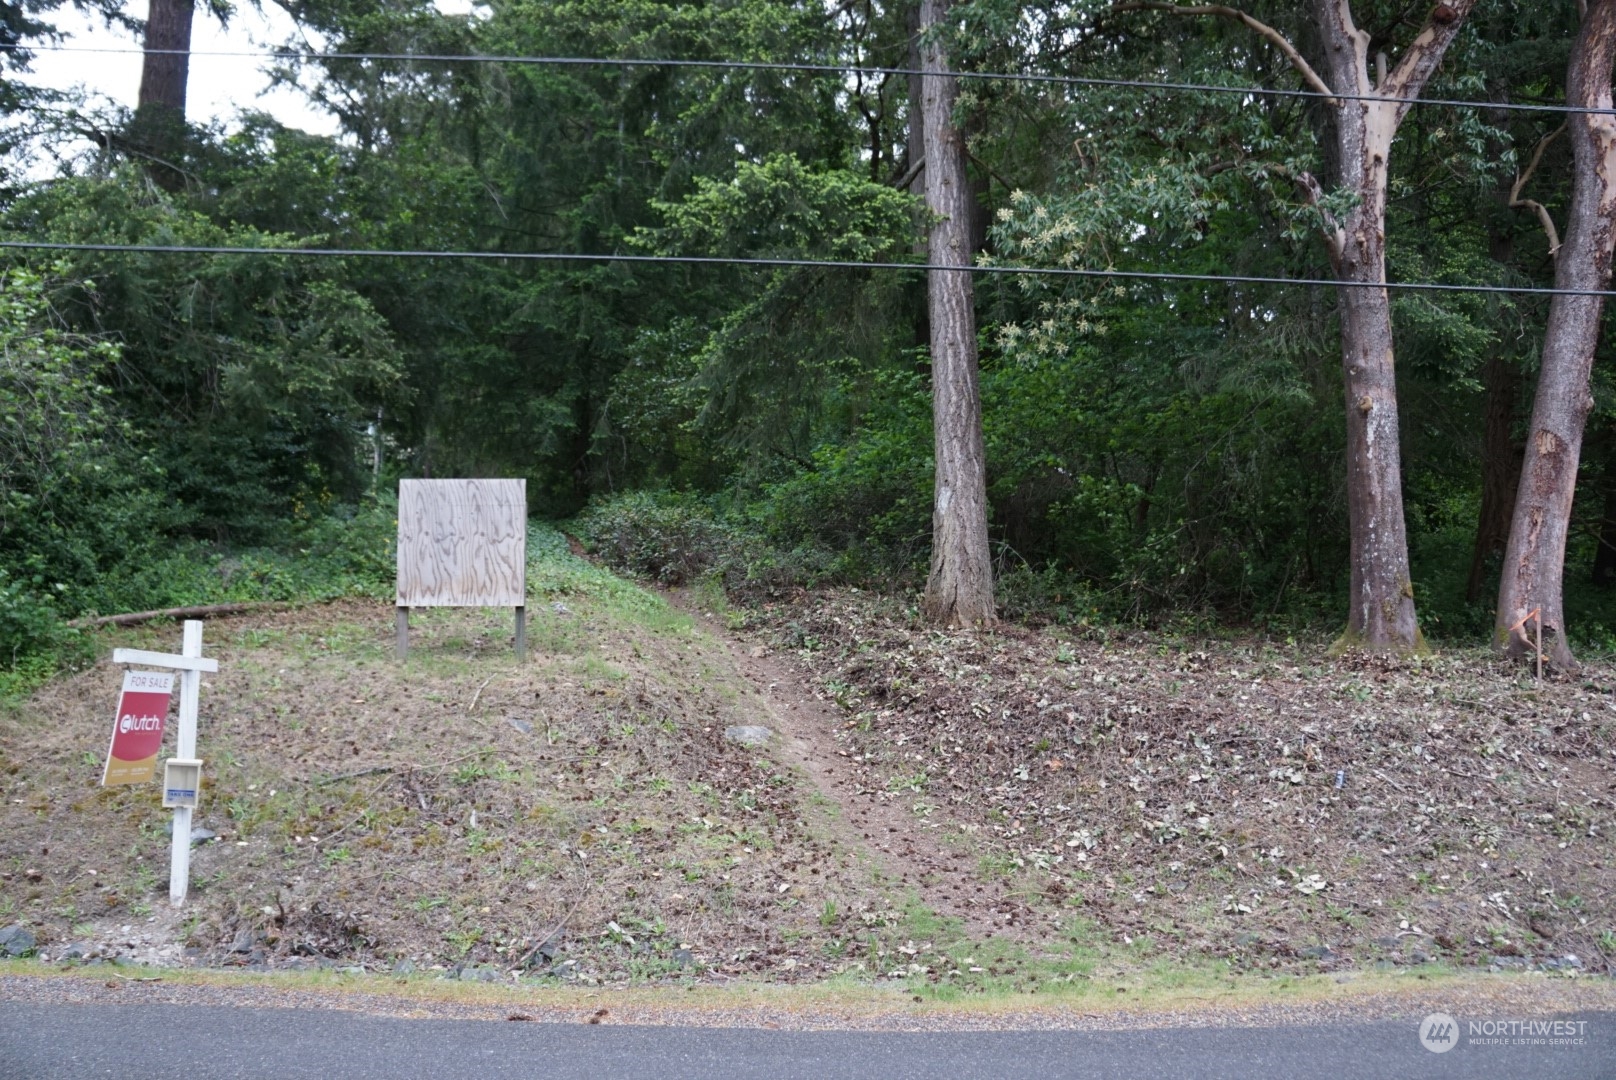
(462, 543)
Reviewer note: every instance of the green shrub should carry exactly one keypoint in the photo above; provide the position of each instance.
(679, 539)
(866, 501)
(659, 536)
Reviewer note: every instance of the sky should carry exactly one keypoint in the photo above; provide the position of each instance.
(220, 87)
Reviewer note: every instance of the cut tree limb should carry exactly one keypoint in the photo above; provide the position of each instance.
(133, 618)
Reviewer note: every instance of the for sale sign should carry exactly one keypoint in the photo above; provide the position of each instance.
(137, 730)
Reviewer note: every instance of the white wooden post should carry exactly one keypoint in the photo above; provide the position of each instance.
(179, 875)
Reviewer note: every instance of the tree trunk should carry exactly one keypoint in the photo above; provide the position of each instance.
(1534, 564)
(1500, 454)
(1382, 598)
(1500, 470)
(167, 62)
(158, 132)
(1381, 610)
(959, 591)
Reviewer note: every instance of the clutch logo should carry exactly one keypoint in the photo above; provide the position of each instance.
(1439, 1033)
(139, 723)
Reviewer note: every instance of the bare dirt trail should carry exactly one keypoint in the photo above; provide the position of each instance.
(900, 844)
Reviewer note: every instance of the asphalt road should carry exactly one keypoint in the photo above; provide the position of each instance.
(46, 1042)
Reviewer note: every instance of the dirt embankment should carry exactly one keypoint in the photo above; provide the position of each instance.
(1245, 800)
(581, 816)
(1012, 810)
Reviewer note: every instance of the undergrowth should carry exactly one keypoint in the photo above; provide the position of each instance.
(342, 551)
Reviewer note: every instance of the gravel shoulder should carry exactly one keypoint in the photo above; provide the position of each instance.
(846, 1008)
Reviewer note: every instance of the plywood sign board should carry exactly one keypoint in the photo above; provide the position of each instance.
(462, 543)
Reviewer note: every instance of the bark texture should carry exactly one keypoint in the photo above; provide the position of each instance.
(959, 591)
(1534, 564)
(167, 66)
(1382, 601)
(157, 135)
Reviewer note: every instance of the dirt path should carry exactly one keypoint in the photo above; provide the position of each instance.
(881, 825)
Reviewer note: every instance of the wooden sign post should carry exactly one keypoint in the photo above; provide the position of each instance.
(462, 543)
(190, 664)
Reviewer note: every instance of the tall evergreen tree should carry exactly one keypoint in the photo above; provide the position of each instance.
(959, 591)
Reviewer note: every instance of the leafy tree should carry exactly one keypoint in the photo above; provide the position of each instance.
(253, 376)
(72, 496)
(1534, 564)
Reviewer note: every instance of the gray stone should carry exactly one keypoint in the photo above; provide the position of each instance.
(404, 967)
(479, 974)
(547, 950)
(199, 835)
(17, 940)
(748, 734)
(79, 950)
(684, 958)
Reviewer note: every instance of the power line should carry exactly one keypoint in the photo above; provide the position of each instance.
(828, 264)
(818, 69)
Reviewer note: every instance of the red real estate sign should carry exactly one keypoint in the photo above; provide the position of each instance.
(137, 730)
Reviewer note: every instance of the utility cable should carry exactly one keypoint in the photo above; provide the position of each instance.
(818, 69)
(828, 264)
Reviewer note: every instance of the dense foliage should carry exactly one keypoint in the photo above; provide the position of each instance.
(173, 426)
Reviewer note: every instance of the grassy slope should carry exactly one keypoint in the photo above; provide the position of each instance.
(459, 811)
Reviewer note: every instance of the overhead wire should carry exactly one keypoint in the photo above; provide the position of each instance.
(285, 56)
(765, 262)
(289, 56)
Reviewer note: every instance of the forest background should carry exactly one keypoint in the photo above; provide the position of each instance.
(190, 428)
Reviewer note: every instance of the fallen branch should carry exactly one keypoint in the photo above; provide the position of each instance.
(133, 618)
(1390, 781)
(409, 766)
(558, 927)
(478, 694)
